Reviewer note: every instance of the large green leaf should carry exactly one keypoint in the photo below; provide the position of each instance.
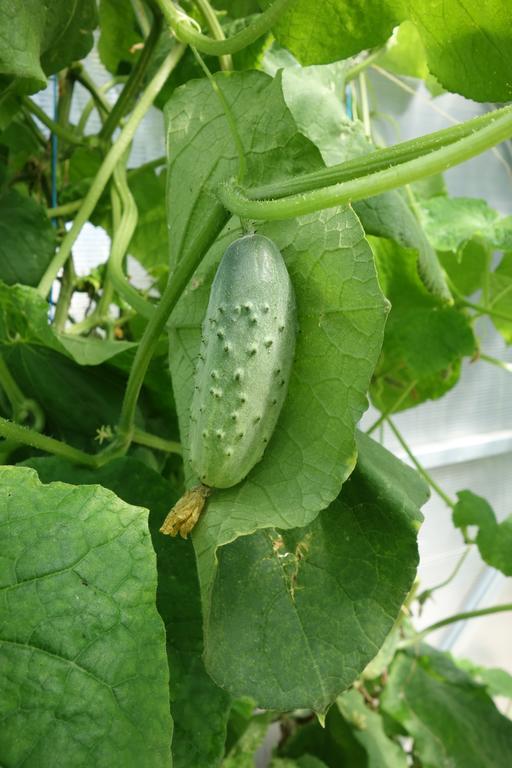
(37, 39)
(83, 648)
(292, 617)
(198, 706)
(27, 239)
(424, 341)
(467, 43)
(313, 97)
(452, 719)
(494, 540)
(198, 127)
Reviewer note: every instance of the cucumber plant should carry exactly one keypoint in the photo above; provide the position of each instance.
(239, 378)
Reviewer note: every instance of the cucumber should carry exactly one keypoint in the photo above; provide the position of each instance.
(244, 363)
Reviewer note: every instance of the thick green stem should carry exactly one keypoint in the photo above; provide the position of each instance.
(462, 617)
(154, 441)
(186, 267)
(423, 472)
(62, 131)
(185, 31)
(19, 434)
(107, 167)
(226, 62)
(497, 128)
(63, 210)
(134, 82)
(66, 294)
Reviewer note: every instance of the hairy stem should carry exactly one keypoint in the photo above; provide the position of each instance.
(401, 170)
(185, 31)
(107, 167)
(25, 436)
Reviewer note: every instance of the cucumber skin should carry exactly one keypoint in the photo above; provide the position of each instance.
(245, 362)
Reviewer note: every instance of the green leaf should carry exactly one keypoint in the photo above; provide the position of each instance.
(500, 296)
(312, 95)
(450, 222)
(468, 268)
(424, 341)
(27, 239)
(81, 638)
(197, 127)
(119, 33)
(198, 706)
(467, 45)
(451, 718)
(354, 736)
(38, 39)
(494, 540)
(24, 320)
(497, 681)
(76, 401)
(149, 244)
(21, 145)
(379, 664)
(331, 589)
(368, 731)
(405, 53)
(324, 32)
(242, 753)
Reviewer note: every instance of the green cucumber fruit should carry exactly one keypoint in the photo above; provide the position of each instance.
(245, 361)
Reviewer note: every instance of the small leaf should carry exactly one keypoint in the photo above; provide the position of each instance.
(81, 636)
(468, 268)
(27, 239)
(24, 320)
(424, 341)
(494, 540)
(450, 222)
(497, 681)
(368, 729)
(443, 709)
(500, 296)
(119, 33)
